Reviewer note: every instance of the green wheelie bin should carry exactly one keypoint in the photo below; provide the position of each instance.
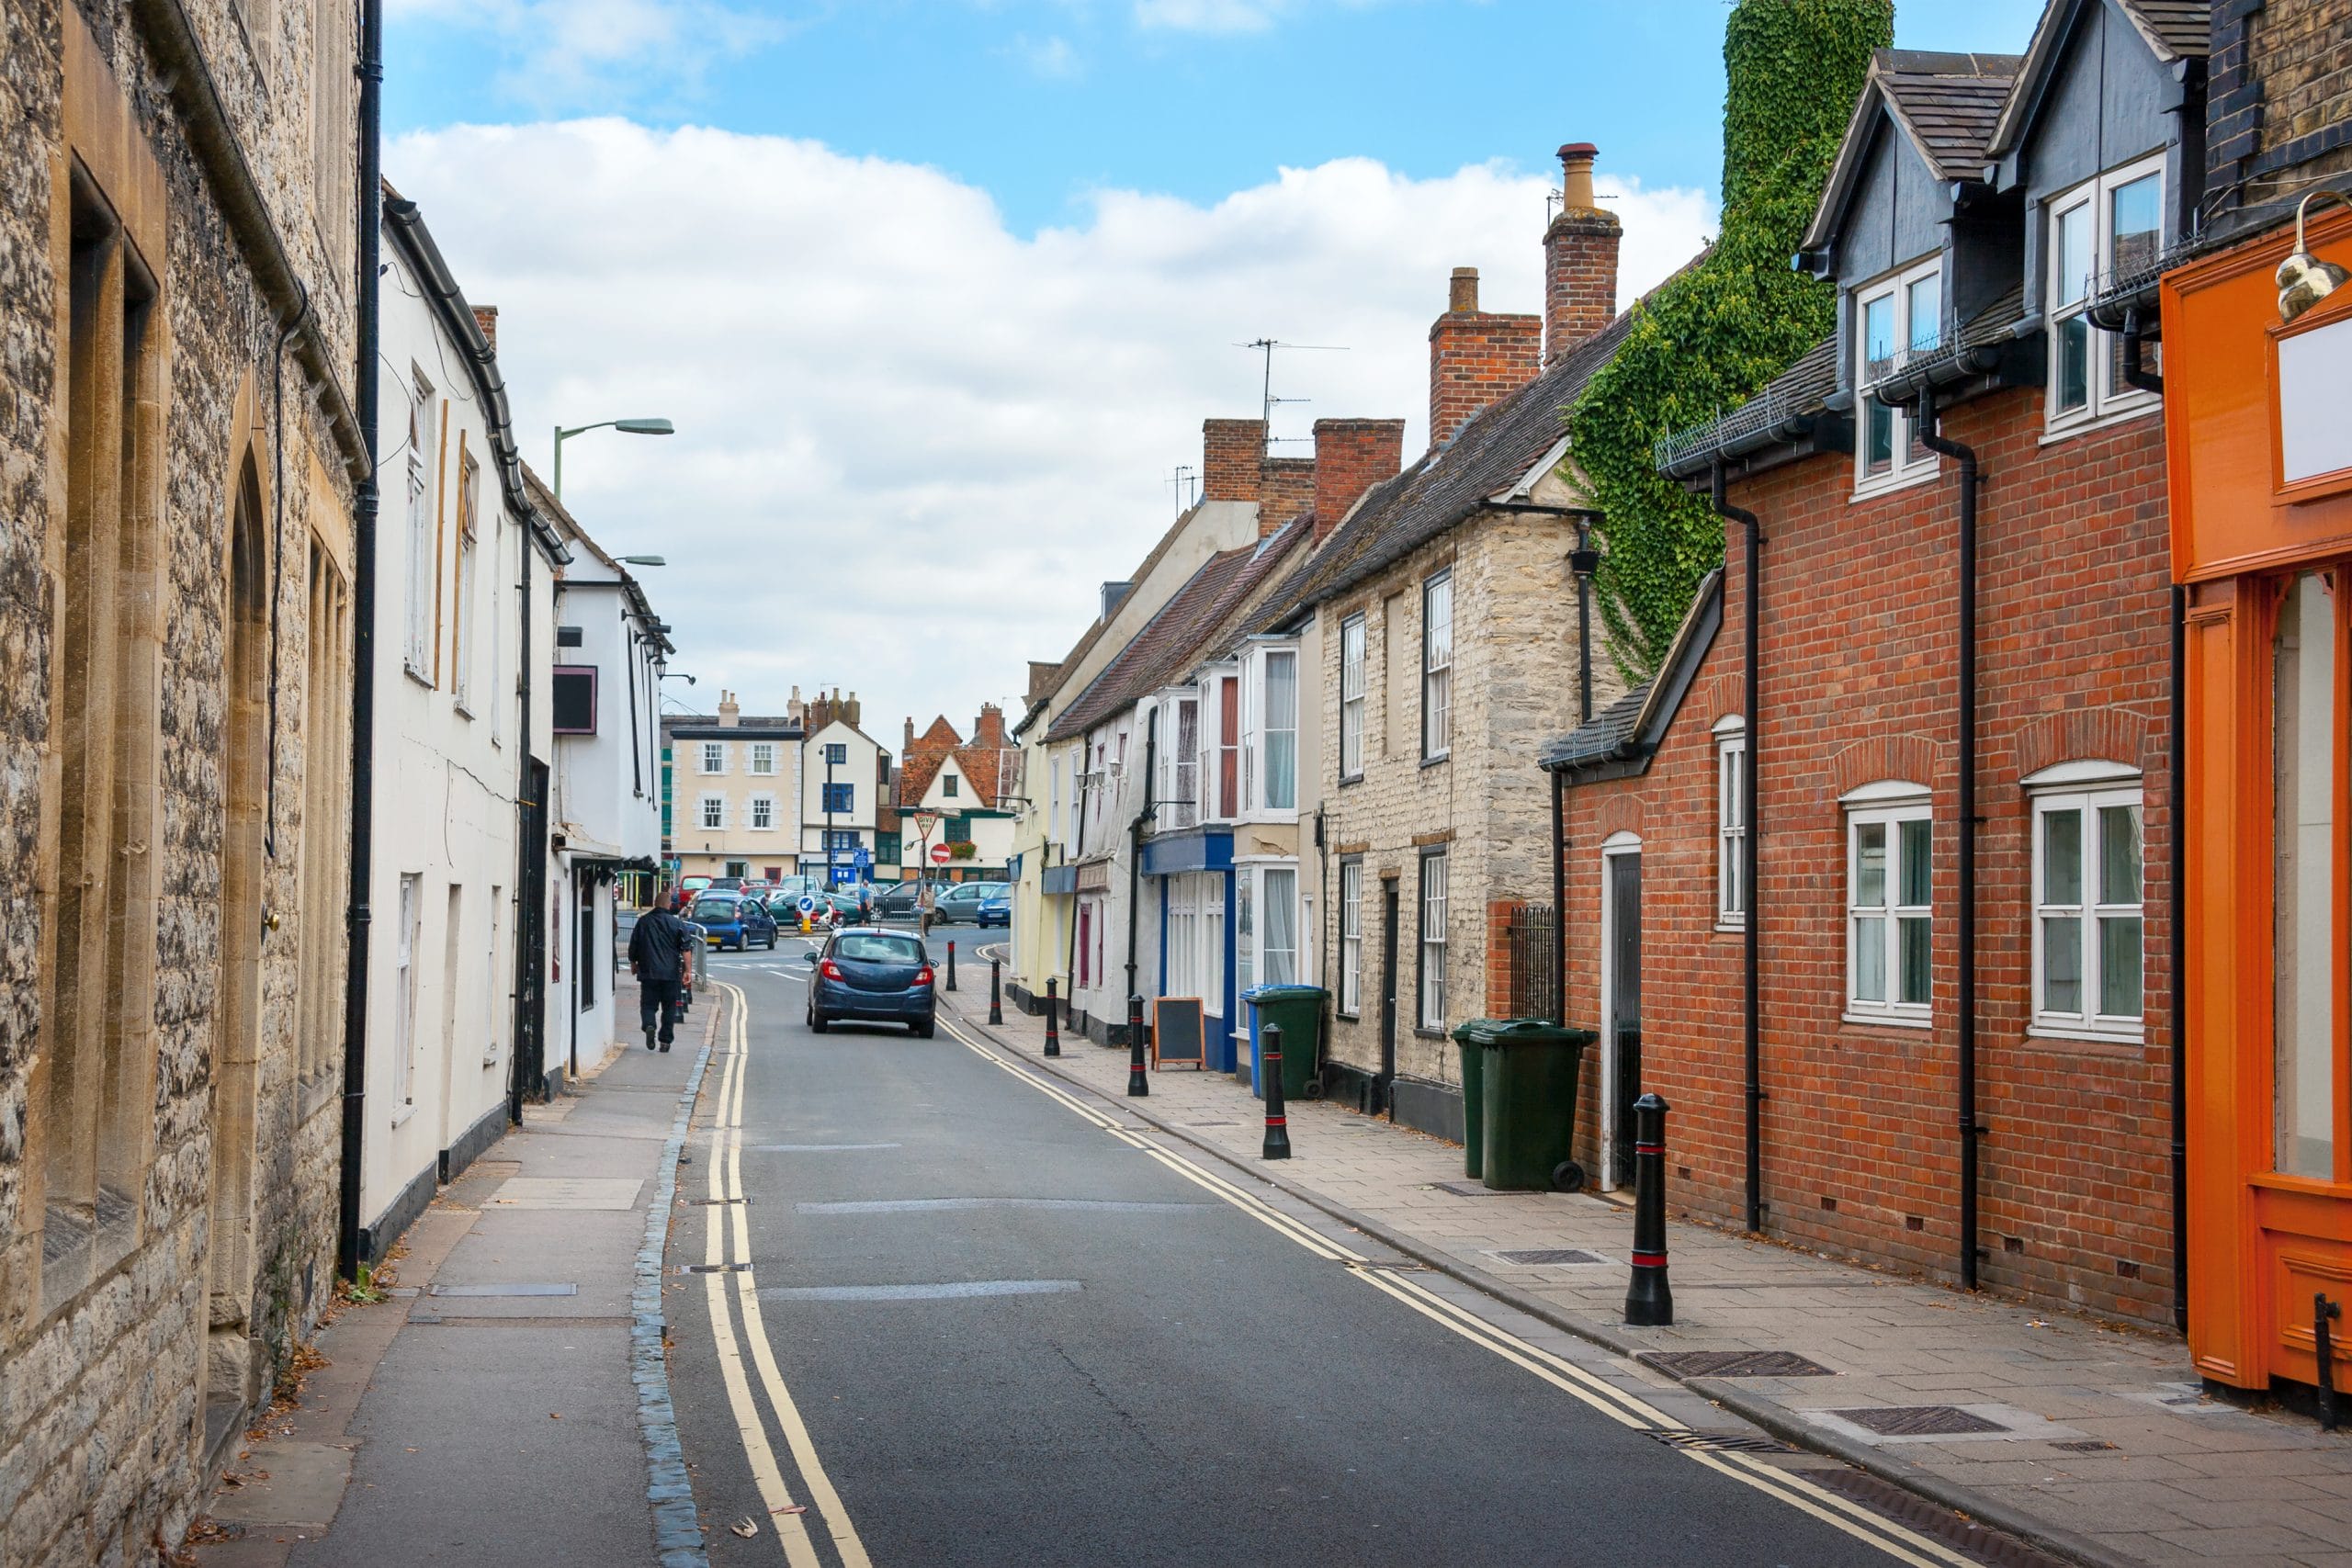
(1528, 1102)
(1474, 1099)
(1299, 1010)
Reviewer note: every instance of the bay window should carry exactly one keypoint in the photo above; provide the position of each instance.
(1245, 932)
(1889, 882)
(1273, 762)
(1180, 781)
(1894, 319)
(1351, 648)
(2087, 915)
(1228, 746)
(2101, 230)
(1279, 942)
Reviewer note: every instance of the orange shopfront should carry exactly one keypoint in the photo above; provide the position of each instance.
(2259, 424)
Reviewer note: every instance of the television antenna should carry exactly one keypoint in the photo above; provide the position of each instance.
(1266, 346)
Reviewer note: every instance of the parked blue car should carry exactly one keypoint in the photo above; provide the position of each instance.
(869, 973)
(996, 910)
(734, 919)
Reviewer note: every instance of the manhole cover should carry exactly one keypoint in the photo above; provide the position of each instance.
(1470, 1189)
(1918, 1420)
(1543, 1257)
(1739, 1442)
(1972, 1539)
(1735, 1364)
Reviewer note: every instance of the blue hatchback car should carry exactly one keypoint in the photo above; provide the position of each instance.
(734, 919)
(865, 973)
(996, 908)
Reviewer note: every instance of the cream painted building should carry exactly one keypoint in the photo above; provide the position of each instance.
(734, 790)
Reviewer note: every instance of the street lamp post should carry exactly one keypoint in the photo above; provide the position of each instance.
(625, 426)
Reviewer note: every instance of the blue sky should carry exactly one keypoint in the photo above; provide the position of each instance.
(1041, 101)
(938, 292)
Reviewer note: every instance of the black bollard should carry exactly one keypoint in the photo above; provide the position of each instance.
(2324, 1313)
(1270, 1073)
(1649, 1302)
(1053, 1017)
(996, 991)
(1138, 1084)
(950, 965)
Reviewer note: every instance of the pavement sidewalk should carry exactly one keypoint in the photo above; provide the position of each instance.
(2090, 1441)
(506, 1402)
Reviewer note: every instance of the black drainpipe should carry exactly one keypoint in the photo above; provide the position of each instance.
(2137, 374)
(1135, 843)
(1560, 898)
(1750, 1000)
(364, 502)
(523, 1029)
(1934, 440)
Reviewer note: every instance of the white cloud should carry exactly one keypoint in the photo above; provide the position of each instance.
(1051, 57)
(910, 443)
(1208, 16)
(560, 53)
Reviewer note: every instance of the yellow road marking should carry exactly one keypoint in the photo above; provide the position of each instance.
(1899, 1542)
(727, 1182)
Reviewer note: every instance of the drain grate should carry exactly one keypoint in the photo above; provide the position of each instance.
(2087, 1446)
(1469, 1190)
(1546, 1257)
(1735, 1364)
(1918, 1420)
(1717, 1442)
(713, 1268)
(1970, 1540)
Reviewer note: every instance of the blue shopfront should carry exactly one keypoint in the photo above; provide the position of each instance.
(1193, 871)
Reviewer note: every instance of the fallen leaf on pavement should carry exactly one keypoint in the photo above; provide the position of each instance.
(746, 1528)
(555, 1415)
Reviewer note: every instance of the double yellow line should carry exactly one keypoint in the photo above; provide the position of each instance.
(1622, 1406)
(735, 1290)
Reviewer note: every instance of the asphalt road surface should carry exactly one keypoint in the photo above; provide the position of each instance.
(988, 1320)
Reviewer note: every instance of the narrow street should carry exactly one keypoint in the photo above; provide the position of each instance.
(967, 1316)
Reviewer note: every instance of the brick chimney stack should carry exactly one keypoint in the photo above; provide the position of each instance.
(486, 318)
(1233, 455)
(1476, 357)
(1351, 456)
(909, 743)
(1287, 490)
(1580, 258)
(988, 731)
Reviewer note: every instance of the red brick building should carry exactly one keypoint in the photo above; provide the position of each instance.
(1975, 202)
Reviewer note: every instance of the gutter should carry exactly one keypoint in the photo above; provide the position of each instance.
(1932, 436)
(184, 71)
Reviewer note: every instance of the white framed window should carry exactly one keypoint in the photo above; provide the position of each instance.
(950, 787)
(1228, 746)
(1432, 939)
(714, 812)
(1184, 781)
(1245, 932)
(2089, 920)
(416, 652)
(408, 934)
(1278, 731)
(713, 757)
(762, 813)
(1897, 317)
(1351, 650)
(1731, 823)
(1890, 880)
(763, 759)
(1350, 937)
(1437, 666)
(2102, 228)
(1278, 921)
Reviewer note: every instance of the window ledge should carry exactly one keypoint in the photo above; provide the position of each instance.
(2074, 1033)
(2137, 409)
(1438, 760)
(1422, 1031)
(419, 676)
(1347, 1017)
(1888, 1020)
(1871, 490)
(400, 1117)
(1734, 927)
(1348, 781)
(463, 709)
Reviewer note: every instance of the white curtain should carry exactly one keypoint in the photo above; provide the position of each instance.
(1280, 920)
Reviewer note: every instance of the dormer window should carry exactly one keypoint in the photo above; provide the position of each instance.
(2101, 230)
(1895, 319)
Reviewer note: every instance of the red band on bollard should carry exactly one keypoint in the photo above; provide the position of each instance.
(1649, 1261)
(1649, 1148)
(1277, 1121)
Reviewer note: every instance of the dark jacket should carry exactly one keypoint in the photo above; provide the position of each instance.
(656, 948)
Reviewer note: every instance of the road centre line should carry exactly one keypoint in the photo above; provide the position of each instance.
(727, 1182)
(1628, 1409)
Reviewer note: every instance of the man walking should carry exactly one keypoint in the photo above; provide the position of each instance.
(657, 957)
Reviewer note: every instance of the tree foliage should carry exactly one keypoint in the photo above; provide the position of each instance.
(1711, 336)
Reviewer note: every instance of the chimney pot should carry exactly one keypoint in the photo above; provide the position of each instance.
(1462, 294)
(1580, 258)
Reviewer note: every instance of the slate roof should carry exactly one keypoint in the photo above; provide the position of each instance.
(1948, 103)
(1622, 738)
(2178, 30)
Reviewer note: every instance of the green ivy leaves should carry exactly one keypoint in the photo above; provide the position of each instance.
(1713, 336)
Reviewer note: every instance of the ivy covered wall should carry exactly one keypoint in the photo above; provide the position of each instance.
(1713, 335)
